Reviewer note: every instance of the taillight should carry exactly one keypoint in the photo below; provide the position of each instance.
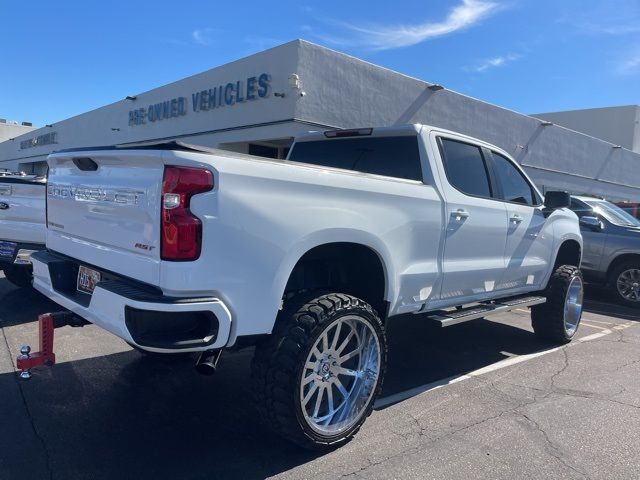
(181, 230)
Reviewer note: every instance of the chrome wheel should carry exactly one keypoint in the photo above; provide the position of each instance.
(628, 284)
(573, 305)
(340, 375)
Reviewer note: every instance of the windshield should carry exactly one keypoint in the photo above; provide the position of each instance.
(614, 214)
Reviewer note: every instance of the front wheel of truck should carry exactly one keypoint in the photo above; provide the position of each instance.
(558, 319)
(317, 377)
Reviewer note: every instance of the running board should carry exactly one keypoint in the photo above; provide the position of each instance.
(446, 318)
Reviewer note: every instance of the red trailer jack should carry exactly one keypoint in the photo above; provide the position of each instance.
(47, 322)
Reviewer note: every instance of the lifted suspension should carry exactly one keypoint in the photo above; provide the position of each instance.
(45, 357)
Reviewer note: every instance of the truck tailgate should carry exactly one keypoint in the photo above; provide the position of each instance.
(103, 208)
(22, 210)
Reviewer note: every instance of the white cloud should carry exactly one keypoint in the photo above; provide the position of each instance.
(380, 37)
(629, 65)
(618, 29)
(614, 17)
(495, 62)
(202, 36)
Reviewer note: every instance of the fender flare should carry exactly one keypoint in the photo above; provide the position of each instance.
(336, 235)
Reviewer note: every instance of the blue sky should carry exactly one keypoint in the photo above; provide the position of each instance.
(64, 58)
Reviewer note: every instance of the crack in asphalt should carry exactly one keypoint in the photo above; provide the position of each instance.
(545, 393)
(431, 440)
(45, 449)
(553, 450)
(562, 369)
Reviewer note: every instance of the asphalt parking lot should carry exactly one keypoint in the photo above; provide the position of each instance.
(478, 400)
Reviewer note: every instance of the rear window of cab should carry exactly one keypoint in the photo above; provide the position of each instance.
(397, 157)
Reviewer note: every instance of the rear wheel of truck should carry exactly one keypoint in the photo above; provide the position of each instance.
(625, 280)
(558, 319)
(19, 276)
(317, 377)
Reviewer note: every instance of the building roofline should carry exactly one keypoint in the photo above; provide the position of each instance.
(590, 109)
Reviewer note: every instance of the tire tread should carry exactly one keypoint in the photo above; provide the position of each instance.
(547, 319)
(276, 361)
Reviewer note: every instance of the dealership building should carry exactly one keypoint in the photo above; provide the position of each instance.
(259, 103)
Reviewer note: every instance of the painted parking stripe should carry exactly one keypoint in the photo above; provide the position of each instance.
(585, 324)
(508, 362)
(597, 321)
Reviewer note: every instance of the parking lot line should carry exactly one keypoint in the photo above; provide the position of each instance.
(598, 321)
(400, 396)
(585, 324)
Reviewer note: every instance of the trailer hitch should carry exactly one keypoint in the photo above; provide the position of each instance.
(47, 322)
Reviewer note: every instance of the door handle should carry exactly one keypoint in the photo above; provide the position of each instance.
(460, 214)
(515, 218)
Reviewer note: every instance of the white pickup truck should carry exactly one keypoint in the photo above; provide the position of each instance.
(22, 224)
(184, 249)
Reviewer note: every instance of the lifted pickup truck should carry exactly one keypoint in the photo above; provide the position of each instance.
(22, 224)
(183, 249)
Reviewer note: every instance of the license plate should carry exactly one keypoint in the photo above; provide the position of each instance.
(7, 249)
(88, 279)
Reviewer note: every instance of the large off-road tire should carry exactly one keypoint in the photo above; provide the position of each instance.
(625, 283)
(20, 276)
(558, 319)
(316, 378)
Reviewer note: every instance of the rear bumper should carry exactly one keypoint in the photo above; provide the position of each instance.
(137, 313)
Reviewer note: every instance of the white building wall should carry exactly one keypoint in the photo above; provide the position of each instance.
(110, 125)
(336, 90)
(12, 130)
(555, 157)
(618, 125)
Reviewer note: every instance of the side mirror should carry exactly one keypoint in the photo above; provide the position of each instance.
(554, 200)
(591, 222)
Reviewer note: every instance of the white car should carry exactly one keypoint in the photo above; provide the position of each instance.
(22, 224)
(176, 248)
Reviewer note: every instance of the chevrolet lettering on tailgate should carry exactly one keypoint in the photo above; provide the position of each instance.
(83, 193)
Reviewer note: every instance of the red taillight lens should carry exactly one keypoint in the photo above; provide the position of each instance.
(181, 230)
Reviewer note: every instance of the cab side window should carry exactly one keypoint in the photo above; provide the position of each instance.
(465, 167)
(515, 188)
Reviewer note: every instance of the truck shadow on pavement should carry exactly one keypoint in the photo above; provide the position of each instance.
(601, 302)
(123, 415)
(22, 305)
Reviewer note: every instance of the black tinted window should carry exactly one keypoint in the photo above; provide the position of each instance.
(581, 209)
(390, 156)
(263, 151)
(515, 188)
(465, 168)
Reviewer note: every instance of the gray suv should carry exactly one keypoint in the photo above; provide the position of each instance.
(611, 255)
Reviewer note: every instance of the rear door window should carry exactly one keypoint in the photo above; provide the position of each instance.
(465, 167)
(389, 156)
(515, 187)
